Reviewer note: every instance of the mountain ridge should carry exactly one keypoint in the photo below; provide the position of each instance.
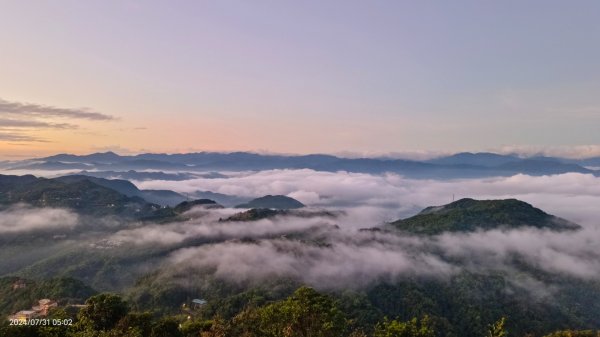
(460, 165)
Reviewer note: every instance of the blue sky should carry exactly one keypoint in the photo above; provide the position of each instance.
(300, 76)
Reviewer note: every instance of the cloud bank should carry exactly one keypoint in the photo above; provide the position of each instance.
(17, 109)
(341, 264)
(346, 257)
(18, 120)
(574, 152)
(573, 196)
(209, 227)
(330, 252)
(22, 218)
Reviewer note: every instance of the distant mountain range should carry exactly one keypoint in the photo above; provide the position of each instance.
(461, 165)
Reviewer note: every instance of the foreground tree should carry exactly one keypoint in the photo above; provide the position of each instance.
(497, 329)
(304, 313)
(102, 312)
(412, 328)
(166, 327)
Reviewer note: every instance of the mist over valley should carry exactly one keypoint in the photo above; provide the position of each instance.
(528, 242)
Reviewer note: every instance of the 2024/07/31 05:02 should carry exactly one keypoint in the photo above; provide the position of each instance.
(41, 321)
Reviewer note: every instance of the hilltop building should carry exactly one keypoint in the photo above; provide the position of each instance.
(44, 306)
(40, 310)
(197, 303)
(23, 315)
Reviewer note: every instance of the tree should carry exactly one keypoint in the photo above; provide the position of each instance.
(53, 330)
(497, 329)
(412, 328)
(166, 327)
(219, 328)
(247, 323)
(102, 312)
(304, 313)
(193, 328)
(135, 322)
(357, 333)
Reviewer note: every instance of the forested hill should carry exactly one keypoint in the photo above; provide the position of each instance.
(91, 196)
(83, 196)
(65, 290)
(272, 201)
(469, 215)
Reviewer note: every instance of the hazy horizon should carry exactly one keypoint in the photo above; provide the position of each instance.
(576, 152)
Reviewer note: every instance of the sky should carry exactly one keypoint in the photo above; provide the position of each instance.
(370, 77)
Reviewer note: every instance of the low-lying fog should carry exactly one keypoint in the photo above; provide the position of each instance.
(331, 252)
(385, 197)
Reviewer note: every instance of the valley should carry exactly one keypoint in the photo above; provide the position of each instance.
(460, 266)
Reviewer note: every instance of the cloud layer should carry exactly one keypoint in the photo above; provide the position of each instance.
(386, 197)
(207, 226)
(22, 218)
(18, 120)
(17, 109)
(346, 257)
(331, 252)
(351, 259)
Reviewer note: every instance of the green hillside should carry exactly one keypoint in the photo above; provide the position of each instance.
(255, 214)
(82, 196)
(273, 201)
(467, 215)
(64, 290)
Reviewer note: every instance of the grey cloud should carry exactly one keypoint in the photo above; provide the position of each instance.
(575, 151)
(22, 218)
(207, 226)
(351, 259)
(14, 123)
(339, 264)
(572, 253)
(8, 108)
(19, 120)
(18, 137)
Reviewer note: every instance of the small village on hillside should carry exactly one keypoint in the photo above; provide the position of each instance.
(36, 311)
(39, 310)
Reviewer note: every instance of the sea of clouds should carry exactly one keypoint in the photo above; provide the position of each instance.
(331, 252)
(377, 198)
(347, 257)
